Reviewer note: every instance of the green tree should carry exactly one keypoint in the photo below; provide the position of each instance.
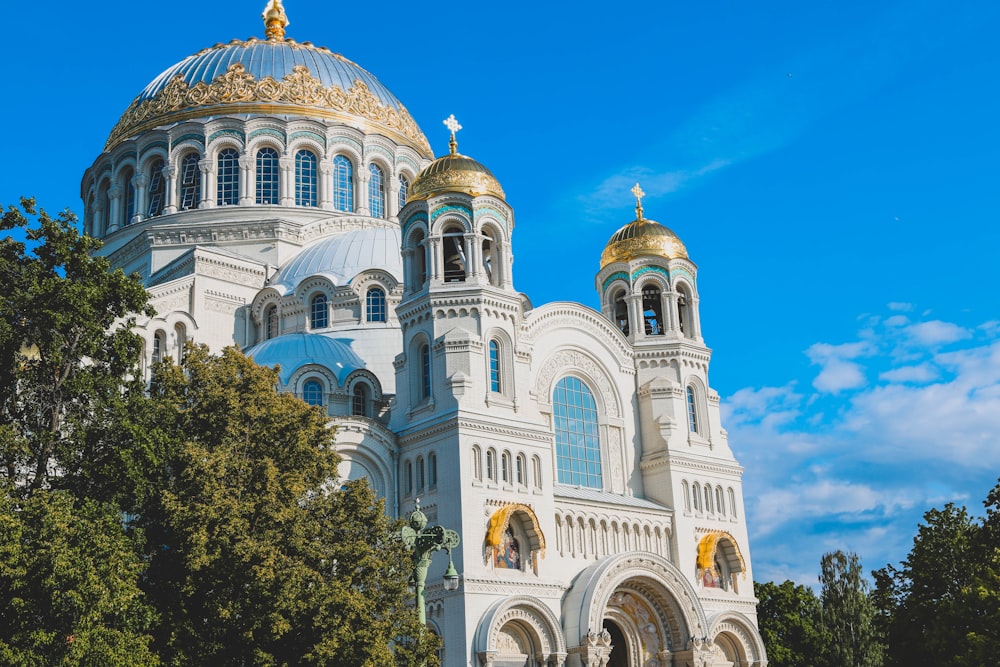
(66, 345)
(255, 558)
(789, 620)
(942, 605)
(69, 592)
(848, 613)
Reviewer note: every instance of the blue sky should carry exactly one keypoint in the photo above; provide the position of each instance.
(832, 168)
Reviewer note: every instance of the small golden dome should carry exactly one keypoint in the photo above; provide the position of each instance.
(641, 238)
(454, 173)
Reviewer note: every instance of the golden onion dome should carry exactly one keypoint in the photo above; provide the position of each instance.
(454, 173)
(642, 238)
(275, 75)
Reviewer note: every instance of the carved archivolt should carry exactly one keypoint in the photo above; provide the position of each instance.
(741, 631)
(238, 88)
(565, 360)
(532, 616)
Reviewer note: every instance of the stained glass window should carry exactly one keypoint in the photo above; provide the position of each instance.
(578, 450)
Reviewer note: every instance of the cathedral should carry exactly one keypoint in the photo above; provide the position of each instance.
(274, 195)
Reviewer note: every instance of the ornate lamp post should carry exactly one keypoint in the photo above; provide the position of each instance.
(424, 540)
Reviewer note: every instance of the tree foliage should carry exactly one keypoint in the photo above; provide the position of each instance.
(848, 613)
(942, 605)
(790, 624)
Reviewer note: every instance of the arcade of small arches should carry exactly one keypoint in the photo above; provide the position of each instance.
(246, 166)
(420, 474)
(653, 306)
(455, 251)
(505, 469)
(627, 610)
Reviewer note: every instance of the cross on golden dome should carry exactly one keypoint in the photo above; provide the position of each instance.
(639, 194)
(452, 125)
(275, 20)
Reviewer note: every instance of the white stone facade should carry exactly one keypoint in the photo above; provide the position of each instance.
(442, 382)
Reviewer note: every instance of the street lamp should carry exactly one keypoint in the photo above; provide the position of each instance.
(424, 540)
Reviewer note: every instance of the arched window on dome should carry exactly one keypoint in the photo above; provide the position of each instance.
(157, 190)
(128, 192)
(270, 322)
(312, 392)
(620, 311)
(578, 448)
(267, 176)
(190, 182)
(376, 191)
(305, 178)
(692, 408)
(343, 184)
(491, 257)
(404, 188)
(652, 310)
(453, 245)
(228, 172)
(375, 308)
(319, 312)
(103, 208)
(360, 400)
(495, 381)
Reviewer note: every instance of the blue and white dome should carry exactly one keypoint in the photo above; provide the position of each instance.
(340, 258)
(270, 76)
(293, 351)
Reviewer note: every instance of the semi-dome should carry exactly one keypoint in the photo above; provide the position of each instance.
(341, 257)
(293, 351)
(270, 76)
(642, 238)
(454, 173)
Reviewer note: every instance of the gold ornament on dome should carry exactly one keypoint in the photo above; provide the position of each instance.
(178, 101)
(275, 20)
(454, 173)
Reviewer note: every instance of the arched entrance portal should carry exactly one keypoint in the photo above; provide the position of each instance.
(619, 645)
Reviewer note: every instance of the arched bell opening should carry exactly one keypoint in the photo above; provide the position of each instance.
(652, 310)
(454, 265)
(619, 310)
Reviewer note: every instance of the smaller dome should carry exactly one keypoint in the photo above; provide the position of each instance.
(642, 238)
(293, 351)
(344, 256)
(454, 173)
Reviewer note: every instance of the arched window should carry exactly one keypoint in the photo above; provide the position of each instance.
(491, 465)
(652, 310)
(420, 473)
(104, 207)
(376, 191)
(425, 371)
(159, 345)
(128, 188)
(491, 257)
(477, 463)
(404, 187)
(686, 492)
(495, 385)
(408, 481)
(359, 400)
(621, 312)
(732, 502)
(190, 182)
(312, 392)
(505, 467)
(419, 261)
(157, 190)
(267, 176)
(343, 184)
(270, 322)
(432, 470)
(453, 243)
(696, 496)
(520, 470)
(692, 410)
(305, 178)
(536, 471)
(375, 305)
(319, 312)
(720, 503)
(708, 499)
(180, 335)
(684, 311)
(578, 450)
(229, 177)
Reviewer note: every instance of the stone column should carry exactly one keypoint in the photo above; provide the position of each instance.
(208, 185)
(636, 320)
(286, 181)
(141, 205)
(114, 196)
(170, 196)
(325, 186)
(361, 194)
(246, 180)
(392, 204)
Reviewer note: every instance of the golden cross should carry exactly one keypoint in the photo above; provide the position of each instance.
(452, 125)
(639, 194)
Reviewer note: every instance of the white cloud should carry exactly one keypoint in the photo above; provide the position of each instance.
(921, 373)
(897, 321)
(901, 307)
(838, 371)
(936, 332)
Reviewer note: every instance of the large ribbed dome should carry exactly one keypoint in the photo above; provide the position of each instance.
(269, 76)
(293, 351)
(340, 258)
